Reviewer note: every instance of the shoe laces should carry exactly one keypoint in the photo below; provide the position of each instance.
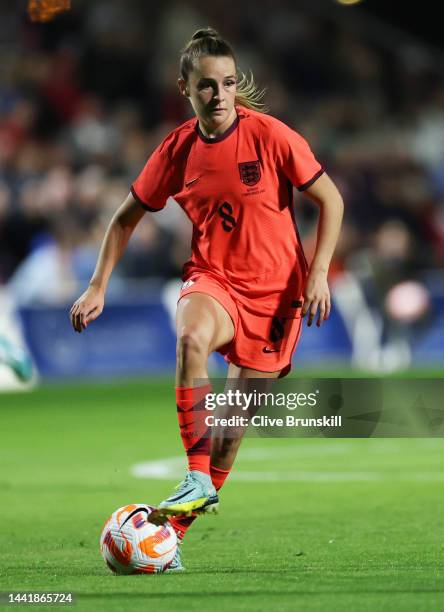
(185, 482)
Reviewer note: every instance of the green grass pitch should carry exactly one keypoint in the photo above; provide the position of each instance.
(305, 524)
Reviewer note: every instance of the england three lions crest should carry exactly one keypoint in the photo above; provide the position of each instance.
(250, 172)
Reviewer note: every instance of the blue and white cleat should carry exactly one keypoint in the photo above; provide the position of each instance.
(196, 493)
(176, 564)
(17, 359)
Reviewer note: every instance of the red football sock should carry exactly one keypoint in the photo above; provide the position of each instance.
(218, 476)
(195, 434)
(181, 525)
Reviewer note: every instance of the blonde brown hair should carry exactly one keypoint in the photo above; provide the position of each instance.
(207, 41)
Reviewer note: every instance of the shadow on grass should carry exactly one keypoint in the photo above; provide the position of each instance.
(103, 572)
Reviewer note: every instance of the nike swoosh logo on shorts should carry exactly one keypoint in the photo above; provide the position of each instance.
(191, 182)
(269, 350)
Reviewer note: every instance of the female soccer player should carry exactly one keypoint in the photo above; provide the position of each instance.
(247, 284)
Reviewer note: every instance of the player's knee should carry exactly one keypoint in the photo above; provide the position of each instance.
(192, 347)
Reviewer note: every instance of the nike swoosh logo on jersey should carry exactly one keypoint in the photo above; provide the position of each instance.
(191, 182)
(269, 350)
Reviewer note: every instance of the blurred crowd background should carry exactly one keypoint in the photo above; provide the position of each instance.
(86, 98)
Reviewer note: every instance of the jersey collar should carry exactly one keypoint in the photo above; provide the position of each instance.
(219, 138)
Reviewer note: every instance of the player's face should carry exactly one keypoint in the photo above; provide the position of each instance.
(211, 88)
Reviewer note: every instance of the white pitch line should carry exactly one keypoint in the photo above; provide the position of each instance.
(172, 468)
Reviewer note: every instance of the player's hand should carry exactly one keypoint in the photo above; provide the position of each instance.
(316, 296)
(87, 308)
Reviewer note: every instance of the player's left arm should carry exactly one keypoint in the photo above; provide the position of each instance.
(317, 294)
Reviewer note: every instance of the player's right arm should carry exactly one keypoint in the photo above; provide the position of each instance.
(90, 304)
(161, 177)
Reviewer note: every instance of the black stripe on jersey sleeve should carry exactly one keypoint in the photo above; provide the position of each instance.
(312, 180)
(142, 204)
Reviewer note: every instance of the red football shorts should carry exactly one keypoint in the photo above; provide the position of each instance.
(266, 317)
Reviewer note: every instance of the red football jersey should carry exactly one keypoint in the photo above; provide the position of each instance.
(237, 191)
